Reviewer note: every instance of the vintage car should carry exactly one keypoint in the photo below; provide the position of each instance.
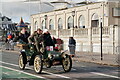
(48, 58)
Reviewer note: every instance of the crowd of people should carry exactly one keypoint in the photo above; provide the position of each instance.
(38, 38)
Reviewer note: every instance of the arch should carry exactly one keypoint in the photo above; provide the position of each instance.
(43, 24)
(51, 24)
(70, 22)
(81, 21)
(36, 25)
(60, 25)
(95, 20)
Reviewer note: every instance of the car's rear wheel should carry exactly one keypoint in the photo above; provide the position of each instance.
(67, 63)
(20, 61)
(38, 64)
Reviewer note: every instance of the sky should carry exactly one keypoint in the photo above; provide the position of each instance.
(15, 9)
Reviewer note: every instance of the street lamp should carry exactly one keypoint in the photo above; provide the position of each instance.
(45, 21)
(73, 14)
(101, 38)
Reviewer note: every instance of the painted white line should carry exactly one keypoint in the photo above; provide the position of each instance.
(56, 75)
(23, 72)
(101, 74)
(42, 71)
(74, 69)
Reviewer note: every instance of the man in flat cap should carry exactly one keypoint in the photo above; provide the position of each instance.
(37, 38)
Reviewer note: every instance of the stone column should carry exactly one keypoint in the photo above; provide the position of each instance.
(32, 25)
(117, 39)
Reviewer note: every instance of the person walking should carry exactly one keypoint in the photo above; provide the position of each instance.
(72, 46)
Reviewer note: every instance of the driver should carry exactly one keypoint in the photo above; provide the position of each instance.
(36, 38)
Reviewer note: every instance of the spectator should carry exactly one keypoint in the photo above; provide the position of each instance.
(72, 45)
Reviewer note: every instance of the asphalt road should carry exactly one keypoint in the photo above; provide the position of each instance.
(80, 70)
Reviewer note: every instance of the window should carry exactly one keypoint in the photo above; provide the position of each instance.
(116, 12)
(36, 25)
(43, 24)
(95, 20)
(60, 26)
(81, 22)
(70, 22)
(51, 25)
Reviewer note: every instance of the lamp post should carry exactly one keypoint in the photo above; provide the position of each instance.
(101, 38)
(45, 21)
(73, 14)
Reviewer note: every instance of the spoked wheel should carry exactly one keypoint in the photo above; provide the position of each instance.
(67, 63)
(21, 65)
(38, 64)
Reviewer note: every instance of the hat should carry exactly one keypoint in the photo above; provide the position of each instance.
(39, 29)
(45, 30)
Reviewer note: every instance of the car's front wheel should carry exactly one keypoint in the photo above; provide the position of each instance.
(20, 61)
(38, 64)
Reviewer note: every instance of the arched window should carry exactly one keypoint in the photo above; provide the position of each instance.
(81, 21)
(70, 22)
(36, 25)
(95, 20)
(43, 24)
(51, 25)
(60, 26)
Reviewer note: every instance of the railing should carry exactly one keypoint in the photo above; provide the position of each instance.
(65, 32)
(95, 31)
(52, 32)
(106, 30)
(82, 31)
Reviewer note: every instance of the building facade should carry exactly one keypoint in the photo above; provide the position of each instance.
(84, 23)
(6, 23)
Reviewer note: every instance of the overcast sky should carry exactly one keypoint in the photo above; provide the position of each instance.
(16, 9)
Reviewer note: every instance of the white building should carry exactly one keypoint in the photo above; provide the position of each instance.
(87, 21)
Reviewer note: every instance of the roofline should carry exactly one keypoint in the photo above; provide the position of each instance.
(67, 8)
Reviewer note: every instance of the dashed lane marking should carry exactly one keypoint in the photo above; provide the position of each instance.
(42, 71)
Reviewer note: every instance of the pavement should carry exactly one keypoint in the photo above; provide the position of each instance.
(108, 59)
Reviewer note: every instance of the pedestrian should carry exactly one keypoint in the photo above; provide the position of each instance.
(72, 45)
(12, 42)
(37, 38)
(8, 41)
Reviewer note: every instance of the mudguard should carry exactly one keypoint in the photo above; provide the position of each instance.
(24, 56)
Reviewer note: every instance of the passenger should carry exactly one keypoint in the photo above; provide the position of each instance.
(36, 38)
(47, 38)
(23, 36)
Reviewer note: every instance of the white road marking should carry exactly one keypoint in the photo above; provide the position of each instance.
(42, 71)
(23, 72)
(74, 69)
(101, 74)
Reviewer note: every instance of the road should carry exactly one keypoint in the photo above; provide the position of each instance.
(80, 70)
